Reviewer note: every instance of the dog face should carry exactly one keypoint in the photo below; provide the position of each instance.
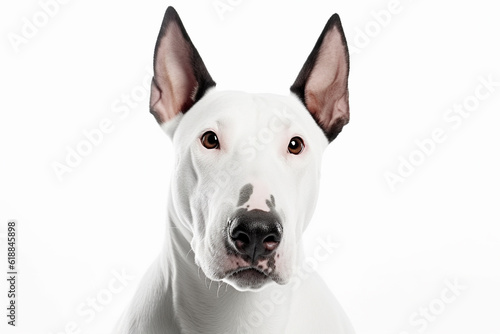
(249, 170)
(247, 166)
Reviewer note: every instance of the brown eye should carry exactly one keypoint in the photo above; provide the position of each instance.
(210, 140)
(296, 145)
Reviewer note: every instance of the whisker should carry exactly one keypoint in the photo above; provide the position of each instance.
(206, 285)
(218, 289)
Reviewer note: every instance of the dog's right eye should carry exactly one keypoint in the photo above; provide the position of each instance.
(209, 140)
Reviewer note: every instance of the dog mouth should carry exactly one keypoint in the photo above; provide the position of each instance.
(247, 278)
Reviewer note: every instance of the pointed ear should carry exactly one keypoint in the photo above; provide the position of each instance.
(180, 76)
(322, 82)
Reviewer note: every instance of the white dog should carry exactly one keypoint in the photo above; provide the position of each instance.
(243, 191)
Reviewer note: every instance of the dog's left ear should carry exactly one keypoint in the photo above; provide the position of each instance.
(180, 76)
(322, 82)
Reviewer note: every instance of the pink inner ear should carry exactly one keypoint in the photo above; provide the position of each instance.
(174, 84)
(326, 89)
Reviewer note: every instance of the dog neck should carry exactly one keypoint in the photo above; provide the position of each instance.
(200, 305)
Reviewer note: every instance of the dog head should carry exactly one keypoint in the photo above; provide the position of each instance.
(247, 165)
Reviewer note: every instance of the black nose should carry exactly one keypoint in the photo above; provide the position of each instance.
(255, 233)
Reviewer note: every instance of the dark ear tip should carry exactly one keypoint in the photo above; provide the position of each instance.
(334, 21)
(171, 11)
(170, 15)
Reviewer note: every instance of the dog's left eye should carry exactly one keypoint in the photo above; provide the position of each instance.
(296, 145)
(209, 140)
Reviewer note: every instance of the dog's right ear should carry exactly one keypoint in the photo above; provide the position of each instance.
(180, 76)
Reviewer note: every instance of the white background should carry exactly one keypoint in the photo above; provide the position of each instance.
(398, 249)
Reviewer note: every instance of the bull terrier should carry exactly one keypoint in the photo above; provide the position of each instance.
(244, 188)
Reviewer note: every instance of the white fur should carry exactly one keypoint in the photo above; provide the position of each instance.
(185, 291)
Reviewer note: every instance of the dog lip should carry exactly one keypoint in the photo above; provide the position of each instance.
(241, 269)
(248, 278)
